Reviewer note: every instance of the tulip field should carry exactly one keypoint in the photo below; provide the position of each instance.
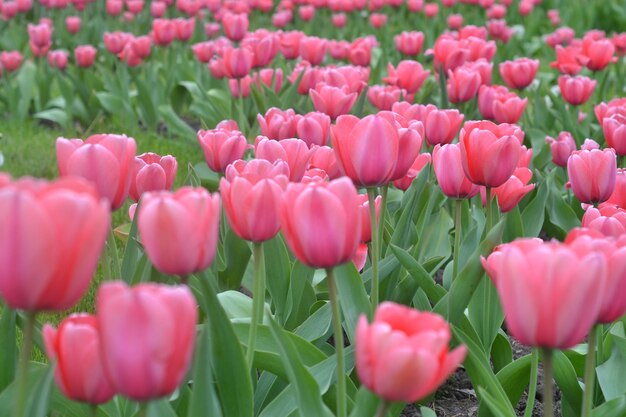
(312, 208)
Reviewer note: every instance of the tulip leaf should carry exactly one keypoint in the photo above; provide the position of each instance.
(175, 124)
(410, 208)
(160, 408)
(353, 298)
(613, 408)
(8, 358)
(236, 253)
(301, 296)
(425, 281)
(39, 398)
(566, 379)
(611, 373)
(515, 377)
(501, 351)
(131, 251)
(204, 400)
(278, 271)
(317, 326)
(26, 84)
(307, 390)
(232, 376)
(533, 214)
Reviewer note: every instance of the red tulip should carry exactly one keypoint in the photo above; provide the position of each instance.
(576, 90)
(541, 287)
(320, 222)
(180, 230)
(489, 152)
(592, 174)
(293, 151)
(106, 160)
(251, 193)
(403, 354)
(74, 349)
(152, 172)
(51, 236)
(519, 73)
(85, 55)
(561, 148)
(147, 334)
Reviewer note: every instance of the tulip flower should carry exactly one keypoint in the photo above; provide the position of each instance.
(74, 350)
(508, 108)
(448, 169)
(441, 126)
(10, 60)
(333, 101)
(293, 151)
(222, 147)
(40, 38)
(279, 124)
(618, 197)
(609, 220)
(561, 148)
(409, 43)
(85, 55)
(576, 90)
(163, 31)
(313, 49)
(314, 128)
(147, 336)
(592, 174)
(152, 172)
(179, 231)
(408, 75)
(415, 364)
(519, 73)
(599, 52)
(106, 160)
(405, 182)
(487, 95)
(57, 59)
(72, 24)
(512, 191)
(463, 85)
(235, 25)
(384, 96)
(237, 62)
(325, 159)
(569, 60)
(614, 128)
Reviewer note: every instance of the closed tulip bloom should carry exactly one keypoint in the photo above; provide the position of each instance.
(599, 52)
(378, 20)
(115, 42)
(10, 61)
(72, 24)
(333, 101)
(576, 90)
(57, 59)
(592, 174)
(74, 349)
(147, 334)
(180, 230)
(409, 43)
(441, 126)
(618, 198)
(289, 44)
(321, 223)
(487, 95)
(367, 149)
(448, 169)
(158, 9)
(114, 7)
(409, 75)
(449, 53)
(325, 158)
(509, 108)
(85, 55)
(561, 148)
(413, 112)
(251, 193)
(569, 60)
(360, 52)
(614, 128)
(235, 26)
(463, 85)
(105, 159)
(152, 173)
(519, 73)
(542, 286)
(313, 49)
(293, 151)
(512, 191)
(489, 152)
(222, 147)
(609, 220)
(383, 97)
(314, 128)
(237, 62)
(51, 236)
(405, 182)
(40, 38)
(409, 145)
(163, 31)
(403, 354)
(279, 124)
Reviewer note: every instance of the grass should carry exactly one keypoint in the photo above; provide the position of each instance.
(29, 150)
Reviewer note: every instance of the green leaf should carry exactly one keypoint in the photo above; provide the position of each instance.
(515, 377)
(353, 298)
(131, 251)
(611, 373)
(425, 281)
(566, 379)
(148, 107)
(278, 271)
(204, 400)
(613, 408)
(237, 253)
(57, 116)
(26, 84)
(238, 307)
(39, 398)
(160, 408)
(8, 357)
(501, 352)
(306, 388)
(232, 376)
(175, 124)
(533, 214)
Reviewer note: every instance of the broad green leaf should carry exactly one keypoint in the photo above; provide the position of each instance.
(352, 296)
(613, 408)
(204, 400)
(278, 272)
(237, 253)
(566, 379)
(485, 312)
(611, 373)
(533, 214)
(317, 327)
(175, 124)
(238, 307)
(131, 251)
(515, 377)
(425, 281)
(501, 351)
(8, 349)
(39, 397)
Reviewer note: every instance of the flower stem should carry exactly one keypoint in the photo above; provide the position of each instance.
(371, 195)
(548, 396)
(590, 371)
(489, 223)
(338, 337)
(532, 387)
(143, 410)
(22, 375)
(458, 226)
(113, 256)
(258, 299)
(93, 410)
(383, 213)
(382, 409)
(443, 87)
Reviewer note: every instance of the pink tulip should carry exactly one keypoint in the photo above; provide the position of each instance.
(618, 198)
(40, 38)
(561, 148)
(409, 75)
(251, 193)
(409, 43)
(307, 13)
(51, 236)
(378, 20)
(413, 112)
(57, 59)
(455, 21)
(592, 174)
(180, 230)
(489, 152)
(115, 41)
(333, 101)
(221, 147)
(542, 286)
(85, 55)
(463, 85)
(147, 334)
(325, 159)
(314, 128)
(74, 349)
(448, 169)
(10, 61)
(293, 151)
(519, 73)
(499, 30)
(313, 49)
(235, 26)
(512, 191)
(279, 124)
(576, 90)
(442, 126)
(364, 213)
(449, 53)
(383, 97)
(158, 9)
(508, 108)
(599, 52)
(289, 44)
(184, 28)
(320, 222)
(487, 95)
(152, 172)
(609, 220)
(569, 60)
(72, 23)
(105, 159)
(614, 128)
(403, 354)
(420, 163)
(114, 7)
(237, 62)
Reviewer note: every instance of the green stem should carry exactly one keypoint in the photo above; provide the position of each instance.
(93, 410)
(22, 375)
(548, 396)
(371, 195)
(532, 386)
(243, 121)
(338, 337)
(383, 212)
(458, 226)
(382, 409)
(143, 410)
(590, 371)
(258, 300)
(620, 161)
(443, 87)
(489, 223)
(113, 256)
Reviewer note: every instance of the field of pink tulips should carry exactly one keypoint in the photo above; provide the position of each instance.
(312, 208)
